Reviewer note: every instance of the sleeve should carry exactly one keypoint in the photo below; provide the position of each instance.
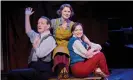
(79, 49)
(87, 46)
(32, 34)
(46, 47)
(93, 45)
(53, 23)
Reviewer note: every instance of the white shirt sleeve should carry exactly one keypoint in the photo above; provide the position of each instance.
(32, 35)
(79, 49)
(46, 47)
(95, 46)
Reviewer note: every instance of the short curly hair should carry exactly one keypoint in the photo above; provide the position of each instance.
(62, 7)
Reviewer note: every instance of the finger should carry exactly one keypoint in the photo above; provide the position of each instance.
(30, 9)
(26, 9)
(32, 12)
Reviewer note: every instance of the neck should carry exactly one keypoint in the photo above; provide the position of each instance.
(80, 38)
(65, 19)
(44, 31)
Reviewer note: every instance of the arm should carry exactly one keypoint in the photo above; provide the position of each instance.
(31, 34)
(96, 46)
(79, 49)
(52, 23)
(85, 39)
(91, 44)
(45, 47)
(28, 12)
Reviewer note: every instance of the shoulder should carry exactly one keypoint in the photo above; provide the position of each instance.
(53, 20)
(72, 39)
(71, 24)
(51, 38)
(32, 33)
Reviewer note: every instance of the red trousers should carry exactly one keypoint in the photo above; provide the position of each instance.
(83, 69)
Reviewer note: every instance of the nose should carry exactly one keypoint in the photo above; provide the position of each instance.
(67, 13)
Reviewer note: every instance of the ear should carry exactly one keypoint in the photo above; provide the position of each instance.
(48, 26)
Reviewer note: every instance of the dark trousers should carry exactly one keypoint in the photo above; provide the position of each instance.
(37, 71)
(43, 69)
(22, 74)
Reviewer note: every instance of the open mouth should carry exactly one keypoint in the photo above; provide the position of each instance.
(39, 28)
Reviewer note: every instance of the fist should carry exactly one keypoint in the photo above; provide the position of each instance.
(36, 42)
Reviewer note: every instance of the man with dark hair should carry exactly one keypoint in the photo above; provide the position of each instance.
(43, 45)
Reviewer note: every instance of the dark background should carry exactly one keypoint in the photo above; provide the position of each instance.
(98, 18)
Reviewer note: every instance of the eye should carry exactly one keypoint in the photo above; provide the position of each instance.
(76, 30)
(69, 11)
(80, 29)
(42, 23)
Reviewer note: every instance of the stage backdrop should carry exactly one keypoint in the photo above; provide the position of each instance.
(16, 44)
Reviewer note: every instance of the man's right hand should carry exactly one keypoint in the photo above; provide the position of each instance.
(36, 42)
(28, 11)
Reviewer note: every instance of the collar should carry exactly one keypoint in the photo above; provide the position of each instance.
(77, 38)
(45, 33)
(61, 21)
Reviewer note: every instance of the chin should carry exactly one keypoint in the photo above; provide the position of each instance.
(40, 31)
(66, 17)
(79, 36)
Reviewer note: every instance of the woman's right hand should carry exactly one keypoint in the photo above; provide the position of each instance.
(90, 53)
(28, 11)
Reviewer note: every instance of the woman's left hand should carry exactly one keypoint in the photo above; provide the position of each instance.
(98, 47)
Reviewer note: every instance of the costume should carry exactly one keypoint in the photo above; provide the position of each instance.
(61, 53)
(80, 65)
(40, 58)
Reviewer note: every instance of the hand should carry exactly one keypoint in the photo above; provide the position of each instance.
(36, 42)
(90, 53)
(96, 52)
(28, 11)
(98, 47)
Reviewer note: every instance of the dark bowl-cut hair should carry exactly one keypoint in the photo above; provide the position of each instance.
(62, 7)
(48, 20)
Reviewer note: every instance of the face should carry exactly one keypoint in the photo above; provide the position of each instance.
(66, 12)
(78, 32)
(42, 25)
